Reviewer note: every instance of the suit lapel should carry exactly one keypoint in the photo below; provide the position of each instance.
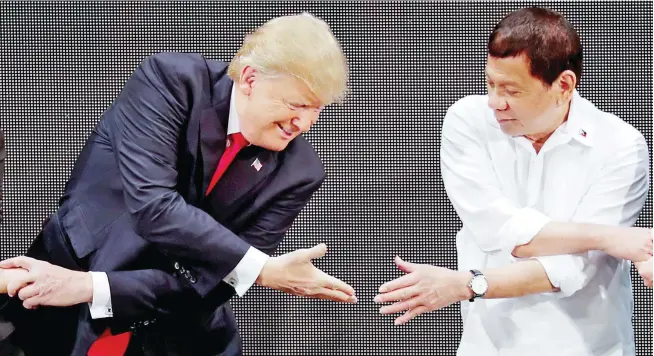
(213, 130)
(212, 145)
(242, 175)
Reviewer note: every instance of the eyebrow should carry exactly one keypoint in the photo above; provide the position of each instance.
(505, 82)
(302, 100)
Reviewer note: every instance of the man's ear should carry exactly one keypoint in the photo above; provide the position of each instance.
(565, 84)
(247, 80)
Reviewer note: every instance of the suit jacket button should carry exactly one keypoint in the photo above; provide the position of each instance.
(176, 265)
(192, 280)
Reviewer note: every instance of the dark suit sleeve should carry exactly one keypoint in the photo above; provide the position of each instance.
(144, 294)
(145, 125)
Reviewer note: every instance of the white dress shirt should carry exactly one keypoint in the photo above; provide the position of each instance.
(593, 169)
(241, 278)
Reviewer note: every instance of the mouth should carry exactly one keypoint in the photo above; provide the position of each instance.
(284, 132)
(503, 119)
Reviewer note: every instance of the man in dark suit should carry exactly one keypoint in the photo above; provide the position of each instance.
(183, 190)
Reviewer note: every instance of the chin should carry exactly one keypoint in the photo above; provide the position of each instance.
(275, 145)
(511, 131)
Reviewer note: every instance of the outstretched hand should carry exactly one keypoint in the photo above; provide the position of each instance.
(294, 273)
(423, 289)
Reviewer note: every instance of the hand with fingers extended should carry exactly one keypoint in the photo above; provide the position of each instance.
(295, 274)
(42, 283)
(423, 289)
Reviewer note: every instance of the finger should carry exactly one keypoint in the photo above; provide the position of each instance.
(406, 267)
(402, 282)
(335, 296)
(316, 251)
(411, 314)
(28, 292)
(397, 295)
(336, 284)
(18, 262)
(16, 284)
(400, 306)
(32, 303)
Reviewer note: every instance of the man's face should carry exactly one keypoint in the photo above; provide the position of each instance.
(523, 104)
(274, 111)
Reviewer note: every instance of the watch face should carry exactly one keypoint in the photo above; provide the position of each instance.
(479, 285)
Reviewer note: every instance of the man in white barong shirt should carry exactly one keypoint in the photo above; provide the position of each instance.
(547, 187)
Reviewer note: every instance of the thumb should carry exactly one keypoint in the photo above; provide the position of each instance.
(316, 251)
(406, 267)
(17, 262)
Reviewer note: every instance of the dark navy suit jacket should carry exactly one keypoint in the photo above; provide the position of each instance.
(135, 205)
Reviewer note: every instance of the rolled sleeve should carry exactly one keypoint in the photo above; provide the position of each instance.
(568, 273)
(246, 271)
(522, 227)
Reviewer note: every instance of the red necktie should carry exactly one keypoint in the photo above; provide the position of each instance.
(116, 345)
(234, 144)
(110, 345)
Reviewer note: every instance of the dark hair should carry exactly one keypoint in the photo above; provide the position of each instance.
(544, 36)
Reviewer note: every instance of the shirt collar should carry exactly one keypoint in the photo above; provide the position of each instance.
(578, 125)
(233, 124)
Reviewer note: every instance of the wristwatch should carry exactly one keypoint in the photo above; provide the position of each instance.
(478, 284)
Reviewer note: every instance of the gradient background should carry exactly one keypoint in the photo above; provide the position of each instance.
(62, 64)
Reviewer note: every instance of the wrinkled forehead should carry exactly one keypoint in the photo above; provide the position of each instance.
(509, 71)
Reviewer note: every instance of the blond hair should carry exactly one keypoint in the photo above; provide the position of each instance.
(302, 46)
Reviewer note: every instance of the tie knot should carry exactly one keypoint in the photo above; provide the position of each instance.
(238, 140)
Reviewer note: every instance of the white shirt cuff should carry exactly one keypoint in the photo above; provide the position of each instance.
(247, 271)
(101, 305)
(566, 272)
(522, 227)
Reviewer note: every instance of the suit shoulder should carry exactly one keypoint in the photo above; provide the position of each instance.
(302, 157)
(181, 65)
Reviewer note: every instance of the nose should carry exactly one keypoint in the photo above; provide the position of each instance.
(496, 102)
(305, 120)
